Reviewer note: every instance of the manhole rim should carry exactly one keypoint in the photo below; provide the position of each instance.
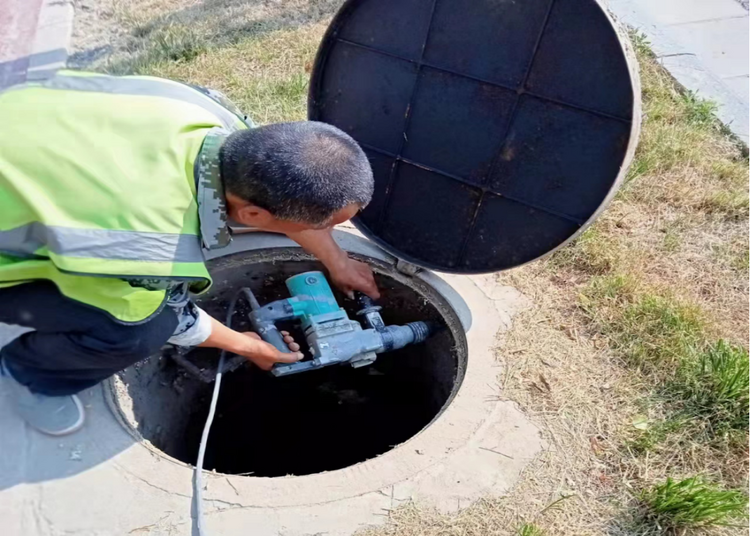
(466, 415)
(113, 400)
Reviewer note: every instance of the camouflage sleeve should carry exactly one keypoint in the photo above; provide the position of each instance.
(222, 99)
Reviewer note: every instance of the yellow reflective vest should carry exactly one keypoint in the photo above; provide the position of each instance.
(97, 186)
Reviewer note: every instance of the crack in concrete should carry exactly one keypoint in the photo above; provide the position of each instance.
(36, 515)
(675, 55)
(701, 21)
(228, 504)
(43, 521)
(127, 472)
(150, 526)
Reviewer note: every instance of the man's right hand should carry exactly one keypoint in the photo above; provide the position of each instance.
(250, 346)
(265, 355)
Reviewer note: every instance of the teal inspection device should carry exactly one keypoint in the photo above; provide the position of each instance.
(332, 336)
(312, 299)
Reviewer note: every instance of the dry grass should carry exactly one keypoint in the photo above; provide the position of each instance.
(258, 53)
(264, 76)
(617, 316)
(659, 277)
(618, 319)
(127, 36)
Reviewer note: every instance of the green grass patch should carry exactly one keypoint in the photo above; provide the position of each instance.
(611, 289)
(733, 255)
(741, 261)
(692, 503)
(698, 111)
(684, 157)
(672, 238)
(671, 338)
(651, 332)
(530, 529)
(701, 385)
(171, 43)
(716, 386)
(676, 134)
(732, 204)
(658, 331)
(656, 434)
(260, 61)
(593, 252)
(151, 31)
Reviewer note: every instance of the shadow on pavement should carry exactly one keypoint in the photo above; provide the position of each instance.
(31, 67)
(31, 457)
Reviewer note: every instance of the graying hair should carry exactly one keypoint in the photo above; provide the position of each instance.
(302, 172)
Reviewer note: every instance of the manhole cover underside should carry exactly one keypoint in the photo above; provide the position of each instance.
(495, 129)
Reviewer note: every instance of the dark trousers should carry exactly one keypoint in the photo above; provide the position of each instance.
(75, 346)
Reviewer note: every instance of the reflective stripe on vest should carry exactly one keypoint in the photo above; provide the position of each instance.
(24, 241)
(96, 186)
(134, 85)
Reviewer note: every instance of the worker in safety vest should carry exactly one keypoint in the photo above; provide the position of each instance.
(110, 190)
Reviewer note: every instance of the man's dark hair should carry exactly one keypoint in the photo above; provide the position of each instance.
(302, 172)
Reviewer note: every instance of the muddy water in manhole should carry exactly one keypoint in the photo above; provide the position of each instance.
(307, 423)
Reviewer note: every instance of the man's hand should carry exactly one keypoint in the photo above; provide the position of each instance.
(347, 274)
(250, 346)
(265, 355)
(350, 275)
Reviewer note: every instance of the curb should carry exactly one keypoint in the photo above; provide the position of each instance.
(35, 37)
(686, 67)
(52, 40)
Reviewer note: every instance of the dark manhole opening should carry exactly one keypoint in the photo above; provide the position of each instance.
(306, 423)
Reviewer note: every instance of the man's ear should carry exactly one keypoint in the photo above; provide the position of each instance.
(246, 213)
(253, 216)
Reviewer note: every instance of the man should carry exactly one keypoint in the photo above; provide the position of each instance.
(110, 189)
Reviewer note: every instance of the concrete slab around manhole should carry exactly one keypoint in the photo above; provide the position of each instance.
(103, 481)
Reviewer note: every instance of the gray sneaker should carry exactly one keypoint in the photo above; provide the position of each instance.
(52, 415)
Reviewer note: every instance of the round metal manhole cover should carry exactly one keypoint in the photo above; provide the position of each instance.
(496, 129)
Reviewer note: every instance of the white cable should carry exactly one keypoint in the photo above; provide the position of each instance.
(198, 480)
(198, 473)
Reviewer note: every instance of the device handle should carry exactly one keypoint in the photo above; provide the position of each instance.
(270, 333)
(262, 320)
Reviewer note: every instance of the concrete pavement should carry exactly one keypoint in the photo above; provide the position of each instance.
(106, 481)
(34, 38)
(703, 44)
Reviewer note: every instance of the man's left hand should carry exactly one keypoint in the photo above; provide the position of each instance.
(347, 274)
(350, 275)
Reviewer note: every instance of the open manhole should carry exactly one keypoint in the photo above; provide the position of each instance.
(306, 423)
